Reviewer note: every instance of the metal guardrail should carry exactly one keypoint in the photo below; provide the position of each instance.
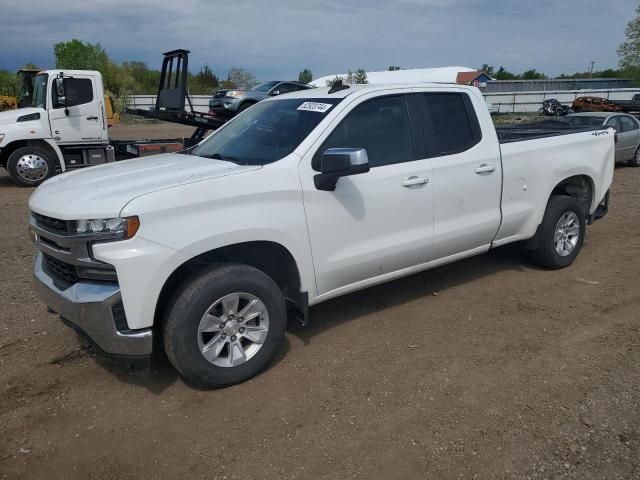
(506, 102)
(147, 102)
(530, 102)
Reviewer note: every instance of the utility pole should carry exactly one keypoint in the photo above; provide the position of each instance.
(591, 69)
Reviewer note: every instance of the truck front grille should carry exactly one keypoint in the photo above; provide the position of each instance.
(61, 271)
(67, 256)
(52, 224)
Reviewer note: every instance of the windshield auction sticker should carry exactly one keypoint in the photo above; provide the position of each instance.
(315, 107)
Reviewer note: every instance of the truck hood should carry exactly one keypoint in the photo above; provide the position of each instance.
(102, 191)
(10, 117)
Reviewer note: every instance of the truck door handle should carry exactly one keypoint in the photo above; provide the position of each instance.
(92, 118)
(484, 168)
(409, 182)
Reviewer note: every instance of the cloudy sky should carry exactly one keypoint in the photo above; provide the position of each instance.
(277, 39)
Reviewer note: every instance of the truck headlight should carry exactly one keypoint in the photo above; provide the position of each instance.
(123, 226)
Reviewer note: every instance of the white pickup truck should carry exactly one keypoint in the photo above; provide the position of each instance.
(299, 199)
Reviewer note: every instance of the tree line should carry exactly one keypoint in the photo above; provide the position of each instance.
(129, 77)
(532, 74)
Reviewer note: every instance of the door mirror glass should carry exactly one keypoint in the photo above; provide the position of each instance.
(340, 162)
(60, 92)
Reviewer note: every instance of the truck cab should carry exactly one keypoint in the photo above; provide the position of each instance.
(65, 127)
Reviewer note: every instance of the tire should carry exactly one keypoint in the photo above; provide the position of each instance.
(564, 217)
(188, 336)
(30, 166)
(577, 110)
(243, 107)
(635, 161)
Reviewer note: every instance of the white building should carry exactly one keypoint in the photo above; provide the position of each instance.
(416, 75)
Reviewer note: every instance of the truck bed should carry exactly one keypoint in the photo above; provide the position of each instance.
(547, 128)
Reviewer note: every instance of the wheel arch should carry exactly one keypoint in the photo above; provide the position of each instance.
(246, 103)
(270, 257)
(581, 187)
(45, 144)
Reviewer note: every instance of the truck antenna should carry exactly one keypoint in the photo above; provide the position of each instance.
(337, 86)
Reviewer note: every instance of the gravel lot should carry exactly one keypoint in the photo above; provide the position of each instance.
(487, 368)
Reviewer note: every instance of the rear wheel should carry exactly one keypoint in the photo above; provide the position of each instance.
(30, 166)
(225, 325)
(635, 161)
(561, 233)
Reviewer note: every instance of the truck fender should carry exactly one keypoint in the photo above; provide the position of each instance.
(54, 146)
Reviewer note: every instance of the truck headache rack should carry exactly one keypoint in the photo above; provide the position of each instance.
(171, 97)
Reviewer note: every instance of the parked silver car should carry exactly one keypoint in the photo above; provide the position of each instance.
(627, 128)
(227, 103)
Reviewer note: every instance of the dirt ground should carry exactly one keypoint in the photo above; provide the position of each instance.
(487, 368)
(149, 130)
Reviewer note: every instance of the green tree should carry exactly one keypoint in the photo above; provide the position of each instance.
(488, 69)
(349, 78)
(629, 51)
(533, 74)
(305, 76)
(31, 66)
(241, 78)
(137, 78)
(204, 82)
(503, 74)
(77, 55)
(228, 85)
(8, 83)
(359, 77)
(333, 81)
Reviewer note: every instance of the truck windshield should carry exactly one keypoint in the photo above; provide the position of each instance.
(40, 92)
(266, 132)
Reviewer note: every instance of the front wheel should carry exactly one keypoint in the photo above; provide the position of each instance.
(30, 166)
(561, 233)
(225, 325)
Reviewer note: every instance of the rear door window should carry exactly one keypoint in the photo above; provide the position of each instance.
(613, 123)
(449, 123)
(286, 88)
(628, 124)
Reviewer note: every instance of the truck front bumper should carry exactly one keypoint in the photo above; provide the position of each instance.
(225, 106)
(89, 307)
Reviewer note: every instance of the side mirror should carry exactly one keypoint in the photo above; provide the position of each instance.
(275, 93)
(340, 162)
(61, 94)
